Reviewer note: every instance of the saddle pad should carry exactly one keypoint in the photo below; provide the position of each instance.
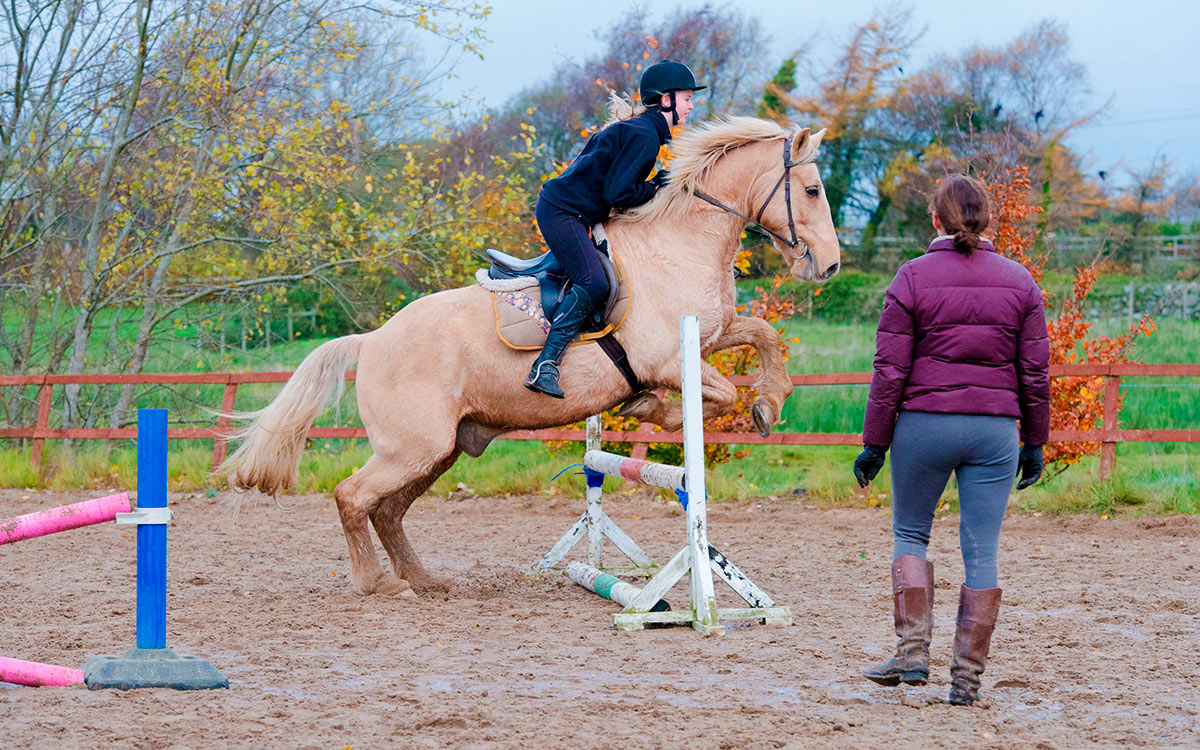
(521, 324)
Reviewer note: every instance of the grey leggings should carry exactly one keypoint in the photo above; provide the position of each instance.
(982, 452)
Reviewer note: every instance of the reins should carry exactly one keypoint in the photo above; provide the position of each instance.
(786, 180)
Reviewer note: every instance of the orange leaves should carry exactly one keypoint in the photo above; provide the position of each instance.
(1076, 403)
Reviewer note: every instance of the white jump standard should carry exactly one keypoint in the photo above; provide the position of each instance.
(596, 523)
(698, 557)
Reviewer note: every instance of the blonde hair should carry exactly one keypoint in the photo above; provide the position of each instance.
(622, 108)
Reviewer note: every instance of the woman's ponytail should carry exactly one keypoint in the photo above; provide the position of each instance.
(964, 209)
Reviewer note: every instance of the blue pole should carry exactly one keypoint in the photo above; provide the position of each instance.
(152, 538)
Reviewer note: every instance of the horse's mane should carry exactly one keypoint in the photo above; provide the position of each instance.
(697, 149)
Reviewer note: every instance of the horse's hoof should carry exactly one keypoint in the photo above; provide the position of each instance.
(436, 584)
(391, 586)
(763, 416)
(640, 406)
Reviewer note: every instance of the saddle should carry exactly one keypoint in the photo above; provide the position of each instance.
(527, 292)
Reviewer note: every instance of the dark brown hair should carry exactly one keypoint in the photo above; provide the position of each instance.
(963, 207)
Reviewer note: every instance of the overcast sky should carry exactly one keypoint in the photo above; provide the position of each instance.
(1143, 54)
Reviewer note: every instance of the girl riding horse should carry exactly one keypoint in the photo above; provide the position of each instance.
(609, 173)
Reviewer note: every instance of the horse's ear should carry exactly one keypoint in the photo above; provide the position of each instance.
(814, 142)
(804, 145)
(799, 145)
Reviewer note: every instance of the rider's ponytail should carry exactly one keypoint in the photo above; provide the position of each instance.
(622, 108)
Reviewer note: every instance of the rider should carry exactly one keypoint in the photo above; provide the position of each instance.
(609, 173)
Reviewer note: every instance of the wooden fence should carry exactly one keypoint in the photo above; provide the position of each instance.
(1108, 435)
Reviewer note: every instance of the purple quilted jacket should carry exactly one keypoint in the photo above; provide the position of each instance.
(961, 334)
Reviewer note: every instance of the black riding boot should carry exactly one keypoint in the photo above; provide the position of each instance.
(568, 319)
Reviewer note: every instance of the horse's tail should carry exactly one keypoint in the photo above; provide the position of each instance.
(272, 442)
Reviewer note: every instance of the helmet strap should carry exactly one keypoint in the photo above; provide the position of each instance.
(674, 114)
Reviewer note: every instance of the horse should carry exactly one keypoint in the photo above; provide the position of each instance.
(677, 252)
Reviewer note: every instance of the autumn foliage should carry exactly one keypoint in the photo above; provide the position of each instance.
(767, 304)
(1076, 403)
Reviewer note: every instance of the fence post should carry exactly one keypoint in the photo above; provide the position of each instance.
(220, 444)
(45, 394)
(1112, 404)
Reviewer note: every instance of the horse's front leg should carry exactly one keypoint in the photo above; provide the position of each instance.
(773, 384)
(716, 391)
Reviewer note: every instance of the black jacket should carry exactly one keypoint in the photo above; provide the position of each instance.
(611, 170)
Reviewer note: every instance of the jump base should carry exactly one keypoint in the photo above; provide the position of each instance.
(631, 621)
(152, 667)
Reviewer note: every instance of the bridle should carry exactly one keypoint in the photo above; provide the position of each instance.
(786, 180)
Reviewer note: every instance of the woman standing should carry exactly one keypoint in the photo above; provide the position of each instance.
(962, 357)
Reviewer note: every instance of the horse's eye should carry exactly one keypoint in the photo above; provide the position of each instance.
(813, 191)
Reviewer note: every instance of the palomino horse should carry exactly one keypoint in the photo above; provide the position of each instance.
(435, 381)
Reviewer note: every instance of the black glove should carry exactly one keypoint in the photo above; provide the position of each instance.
(868, 464)
(660, 179)
(1029, 465)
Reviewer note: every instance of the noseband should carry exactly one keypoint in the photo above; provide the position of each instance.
(786, 180)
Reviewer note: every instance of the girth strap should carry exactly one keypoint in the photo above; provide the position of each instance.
(616, 353)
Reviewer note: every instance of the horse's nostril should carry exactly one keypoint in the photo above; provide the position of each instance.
(831, 271)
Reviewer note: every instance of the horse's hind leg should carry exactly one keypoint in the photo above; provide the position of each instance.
(357, 496)
(388, 519)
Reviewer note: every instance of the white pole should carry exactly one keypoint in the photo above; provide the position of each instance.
(595, 508)
(704, 601)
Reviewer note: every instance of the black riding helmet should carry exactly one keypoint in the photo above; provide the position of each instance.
(667, 77)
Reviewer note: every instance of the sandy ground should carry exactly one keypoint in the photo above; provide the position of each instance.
(1098, 642)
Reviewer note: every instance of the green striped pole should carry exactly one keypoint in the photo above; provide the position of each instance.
(608, 586)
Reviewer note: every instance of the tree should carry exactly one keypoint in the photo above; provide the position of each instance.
(773, 106)
(1075, 402)
(849, 97)
(158, 156)
(723, 46)
(973, 111)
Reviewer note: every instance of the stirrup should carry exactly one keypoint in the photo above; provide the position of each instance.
(551, 388)
(536, 372)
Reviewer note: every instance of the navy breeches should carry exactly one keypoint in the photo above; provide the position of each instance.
(567, 237)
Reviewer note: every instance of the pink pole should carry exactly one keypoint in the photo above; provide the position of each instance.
(67, 517)
(33, 674)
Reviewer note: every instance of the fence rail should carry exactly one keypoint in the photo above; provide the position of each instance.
(1108, 435)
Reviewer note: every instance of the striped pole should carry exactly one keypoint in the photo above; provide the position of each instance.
(75, 516)
(636, 470)
(608, 586)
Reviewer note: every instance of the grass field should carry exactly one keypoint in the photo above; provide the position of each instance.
(1150, 478)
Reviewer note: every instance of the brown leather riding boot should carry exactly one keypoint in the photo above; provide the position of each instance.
(977, 610)
(912, 601)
